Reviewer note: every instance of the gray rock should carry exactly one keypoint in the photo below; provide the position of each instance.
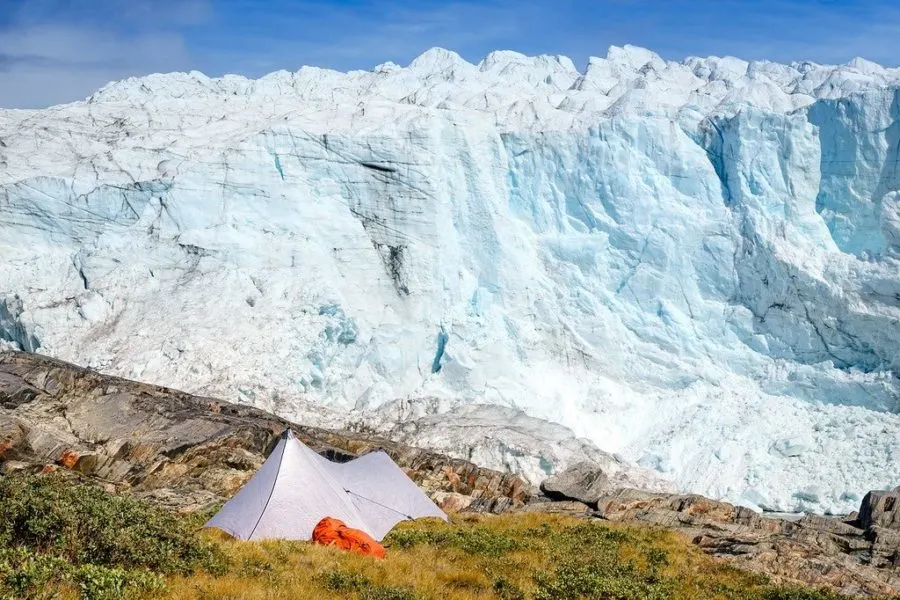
(880, 508)
(452, 502)
(182, 451)
(583, 481)
(571, 508)
(885, 546)
(13, 466)
(187, 453)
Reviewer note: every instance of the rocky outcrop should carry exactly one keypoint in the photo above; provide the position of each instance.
(880, 509)
(583, 481)
(188, 452)
(813, 550)
(184, 451)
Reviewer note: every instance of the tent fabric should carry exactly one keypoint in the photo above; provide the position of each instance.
(333, 532)
(296, 488)
(385, 505)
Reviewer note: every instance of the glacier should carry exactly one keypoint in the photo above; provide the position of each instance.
(694, 265)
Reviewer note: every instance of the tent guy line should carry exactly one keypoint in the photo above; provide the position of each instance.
(410, 517)
(296, 488)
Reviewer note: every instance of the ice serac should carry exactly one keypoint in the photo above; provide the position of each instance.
(692, 265)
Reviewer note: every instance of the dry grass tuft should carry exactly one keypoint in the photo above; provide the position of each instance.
(68, 542)
(510, 557)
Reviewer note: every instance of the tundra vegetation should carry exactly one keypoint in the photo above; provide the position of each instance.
(62, 540)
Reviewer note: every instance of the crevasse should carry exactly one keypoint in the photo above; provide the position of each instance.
(691, 264)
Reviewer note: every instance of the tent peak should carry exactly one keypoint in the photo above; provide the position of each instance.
(296, 487)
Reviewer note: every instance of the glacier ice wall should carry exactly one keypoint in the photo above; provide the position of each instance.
(692, 264)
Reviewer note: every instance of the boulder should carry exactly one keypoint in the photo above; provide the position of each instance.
(880, 508)
(451, 502)
(583, 481)
(13, 466)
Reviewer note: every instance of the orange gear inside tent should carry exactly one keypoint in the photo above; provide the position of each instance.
(333, 532)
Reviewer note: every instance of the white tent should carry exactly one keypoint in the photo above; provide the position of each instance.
(296, 487)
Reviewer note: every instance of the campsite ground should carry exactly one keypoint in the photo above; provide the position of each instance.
(62, 540)
(511, 557)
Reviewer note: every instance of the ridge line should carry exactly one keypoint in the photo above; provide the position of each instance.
(271, 491)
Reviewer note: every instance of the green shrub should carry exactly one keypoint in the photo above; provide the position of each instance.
(506, 590)
(589, 536)
(388, 592)
(344, 581)
(404, 539)
(83, 524)
(24, 574)
(55, 533)
(256, 566)
(348, 583)
(470, 539)
(657, 559)
(799, 594)
(102, 583)
(600, 580)
(588, 564)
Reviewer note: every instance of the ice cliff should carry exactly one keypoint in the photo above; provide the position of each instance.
(693, 264)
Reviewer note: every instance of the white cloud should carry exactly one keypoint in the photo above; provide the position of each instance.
(48, 65)
(329, 35)
(62, 50)
(58, 52)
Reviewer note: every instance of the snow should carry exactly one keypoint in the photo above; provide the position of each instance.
(690, 265)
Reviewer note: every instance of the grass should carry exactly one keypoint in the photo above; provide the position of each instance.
(512, 557)
(69, 542)
(60, 540)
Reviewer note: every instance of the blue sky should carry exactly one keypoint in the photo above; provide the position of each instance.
(54, 51)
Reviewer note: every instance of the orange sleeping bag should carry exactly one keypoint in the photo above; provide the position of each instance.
(333, 532)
